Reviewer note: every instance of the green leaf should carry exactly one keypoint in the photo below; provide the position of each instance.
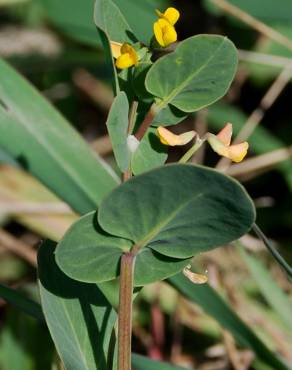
(20, 301)
(88, 254)
(210, 301)
(141, 15)
(168, 116)
(76, 23)
(109, 18)
(43, 142)
(178, 210)
(24, 343)
(272, 292)
(143, 363)
(150, 153)
(79, 318)
(195, 75)
(138, 81)
(117, 125)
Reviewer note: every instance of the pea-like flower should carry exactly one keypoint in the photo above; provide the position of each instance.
(220, 143)
(164, 30)
(125, 55)
(168, 138)
(171, 15)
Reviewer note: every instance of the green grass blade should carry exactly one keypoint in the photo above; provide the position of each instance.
(44, 143)
(20, 301)
(272, 292)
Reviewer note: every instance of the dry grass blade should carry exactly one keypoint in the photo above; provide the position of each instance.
(254, 23)
(18, 247)
(260, 162)
(265, 59)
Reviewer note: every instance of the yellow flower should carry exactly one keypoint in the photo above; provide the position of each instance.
(164, 32)
(171, 15)
(220, 143)
(126, 55)
(168, 138)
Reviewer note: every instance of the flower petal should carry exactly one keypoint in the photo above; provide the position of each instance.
(171, 15)
(234, 152)
(127, 58)
(124, 61)
(225, 134)
(116, 49)
(157, 29)
(168, 138)
(164, 32)
(238, 151)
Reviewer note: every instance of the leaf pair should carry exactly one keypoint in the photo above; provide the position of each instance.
(168, 215)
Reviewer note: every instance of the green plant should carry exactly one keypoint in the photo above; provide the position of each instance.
(149, 227)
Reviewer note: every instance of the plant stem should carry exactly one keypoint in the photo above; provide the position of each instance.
(281, 261)
(125, 311)
(188, 155)
(132, 117)
(144, 125)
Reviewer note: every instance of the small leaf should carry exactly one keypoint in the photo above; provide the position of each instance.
(150, 153)
(195, 75)
(178, 210)
(117, 125)
(109, 18)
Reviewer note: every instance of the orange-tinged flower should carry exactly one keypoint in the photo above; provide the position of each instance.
(164, 32)
(220, 143)
(168, 138)
(171, 15)
(127, 58)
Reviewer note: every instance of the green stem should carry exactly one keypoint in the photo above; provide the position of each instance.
(285, 266)
(188, 155)
(125, 311)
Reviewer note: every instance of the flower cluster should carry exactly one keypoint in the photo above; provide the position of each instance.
(220, 143)
(165, 34)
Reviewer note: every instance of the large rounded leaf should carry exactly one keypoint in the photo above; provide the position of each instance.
(178, 210)
(88, 254)
(195, 75)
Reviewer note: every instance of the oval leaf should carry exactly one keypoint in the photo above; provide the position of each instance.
(109, 18)
(178, 210)
(195, 75)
